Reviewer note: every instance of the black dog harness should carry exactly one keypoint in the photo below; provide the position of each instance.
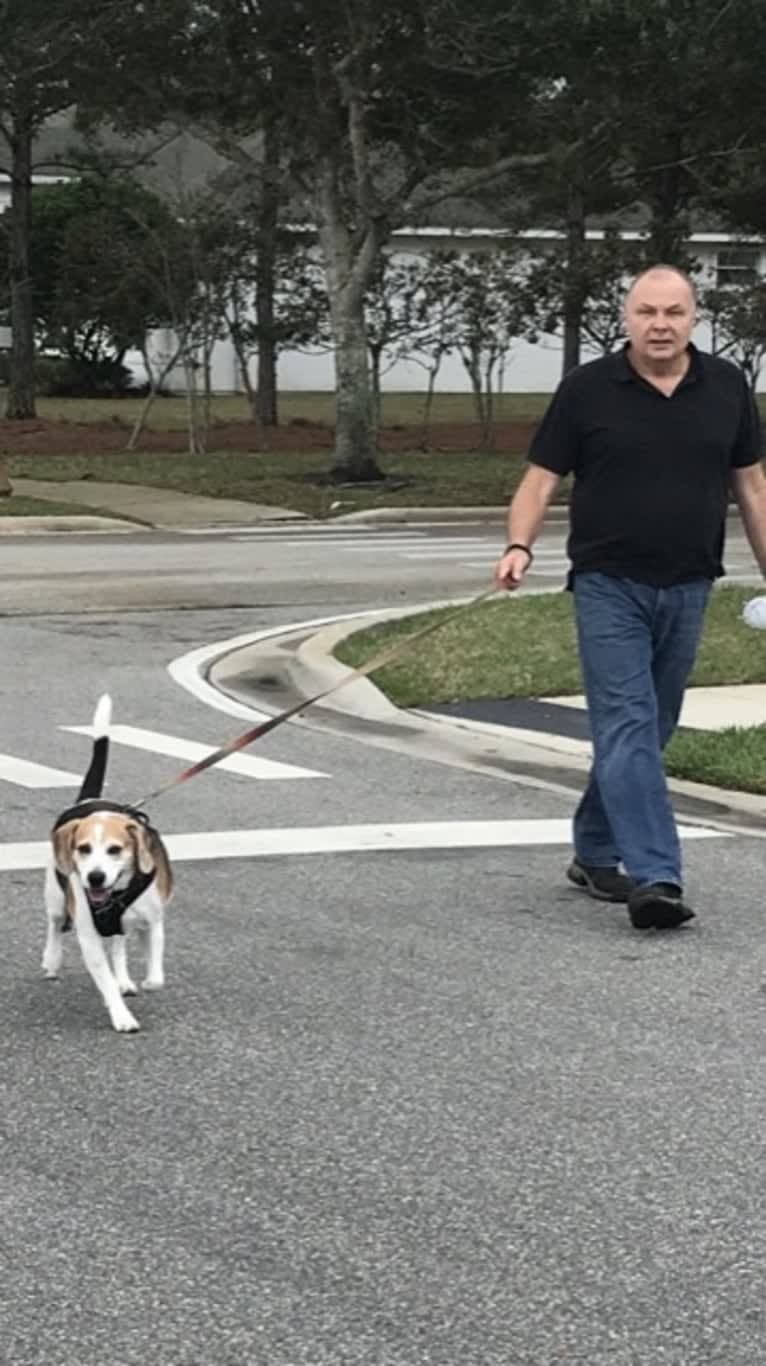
(108, 918)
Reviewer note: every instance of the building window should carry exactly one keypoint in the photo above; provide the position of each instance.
(737, 266)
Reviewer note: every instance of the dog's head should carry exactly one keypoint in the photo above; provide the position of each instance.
(106, 850)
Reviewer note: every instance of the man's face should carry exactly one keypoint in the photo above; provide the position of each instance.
(659, 317)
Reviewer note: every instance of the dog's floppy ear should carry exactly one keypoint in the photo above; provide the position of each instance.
(144, 855)
(64, 840)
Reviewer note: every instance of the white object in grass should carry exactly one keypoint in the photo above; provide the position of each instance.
(754, 613)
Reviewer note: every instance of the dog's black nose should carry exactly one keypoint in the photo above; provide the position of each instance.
(96, 878)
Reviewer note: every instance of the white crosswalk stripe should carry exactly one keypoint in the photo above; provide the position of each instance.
(352, 839)
(25, 773)
(172, 746)
(469, 550)
(30, 774)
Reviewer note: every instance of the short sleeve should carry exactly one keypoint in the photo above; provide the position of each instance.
(556, 443)
(748, 444)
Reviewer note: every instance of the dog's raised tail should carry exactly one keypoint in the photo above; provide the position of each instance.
(93, 782)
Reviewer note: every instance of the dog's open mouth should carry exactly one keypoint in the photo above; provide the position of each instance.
(97, 897)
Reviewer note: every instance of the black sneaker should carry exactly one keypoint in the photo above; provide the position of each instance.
(658, 906)
(605, 884)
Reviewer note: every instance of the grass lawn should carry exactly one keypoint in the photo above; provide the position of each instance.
(285, 479)
(525, 647)
(294, 407)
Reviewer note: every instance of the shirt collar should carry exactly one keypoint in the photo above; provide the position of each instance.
(625, 374)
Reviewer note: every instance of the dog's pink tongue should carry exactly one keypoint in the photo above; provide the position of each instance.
(97, 898)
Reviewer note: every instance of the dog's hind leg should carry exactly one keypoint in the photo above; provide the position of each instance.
(97, 963)
(154, 939)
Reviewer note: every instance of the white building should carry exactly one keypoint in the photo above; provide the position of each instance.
(532, 368)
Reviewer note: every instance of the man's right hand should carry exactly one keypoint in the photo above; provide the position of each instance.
(510, 571)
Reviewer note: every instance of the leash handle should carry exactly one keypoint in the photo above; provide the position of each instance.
(378, 661)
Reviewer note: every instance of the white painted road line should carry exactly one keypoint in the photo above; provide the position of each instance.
(208, 845)
(155, 742)
(24, 773)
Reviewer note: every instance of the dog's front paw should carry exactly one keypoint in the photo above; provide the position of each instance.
(154, 983)
(123, 1021)
(127, 987)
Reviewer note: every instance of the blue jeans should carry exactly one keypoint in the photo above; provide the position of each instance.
(637, 649)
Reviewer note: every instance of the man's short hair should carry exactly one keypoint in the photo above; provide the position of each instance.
(674, 270)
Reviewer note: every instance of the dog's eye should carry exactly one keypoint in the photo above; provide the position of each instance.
(114, 849)
(84, 849)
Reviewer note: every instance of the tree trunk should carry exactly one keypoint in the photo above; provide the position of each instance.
(195, 418)
(241, 351)
(348, 271)
(349, 265)
(266, 397)
(472, 362)
(573, 293)
(433, 371)
(376, 357)
(668, 229)
(488, 428)
(21, 388)
(355, 441)
(265, 273)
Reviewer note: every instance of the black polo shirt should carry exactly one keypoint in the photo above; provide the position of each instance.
(651, 474)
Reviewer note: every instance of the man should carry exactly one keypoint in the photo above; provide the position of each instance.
(655, 437)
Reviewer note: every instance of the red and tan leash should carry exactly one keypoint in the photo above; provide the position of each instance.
(378, 661)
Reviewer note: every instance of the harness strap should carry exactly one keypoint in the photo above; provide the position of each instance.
(108, 918)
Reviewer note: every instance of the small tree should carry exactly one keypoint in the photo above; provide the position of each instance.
(490, 308)
(90, 257)
(187, 274)
(596, 285)
(737, 314)
(434, 314)
(390, 311)
(55, 57)
(292, 314)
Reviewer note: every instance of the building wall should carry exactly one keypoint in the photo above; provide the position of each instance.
(531, 368)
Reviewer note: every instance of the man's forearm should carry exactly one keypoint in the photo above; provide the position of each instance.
(529, 505)
(753, 510)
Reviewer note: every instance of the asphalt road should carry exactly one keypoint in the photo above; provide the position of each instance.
(294, 568)
(425, 1106)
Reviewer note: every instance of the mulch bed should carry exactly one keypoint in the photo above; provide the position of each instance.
(38, 437)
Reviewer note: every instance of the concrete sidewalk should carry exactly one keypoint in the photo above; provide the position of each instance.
(123, 507)
(171, 510)
(164, 509)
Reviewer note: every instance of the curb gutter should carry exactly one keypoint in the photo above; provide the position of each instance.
(283, 669)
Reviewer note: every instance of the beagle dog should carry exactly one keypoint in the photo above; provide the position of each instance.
(108, 873)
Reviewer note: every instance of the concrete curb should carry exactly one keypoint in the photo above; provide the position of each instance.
(432, 515)
(392, 516)
(76, 525)
(303, 664)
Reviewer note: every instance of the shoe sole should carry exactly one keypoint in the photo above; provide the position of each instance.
(583, 882)
(659, 913)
